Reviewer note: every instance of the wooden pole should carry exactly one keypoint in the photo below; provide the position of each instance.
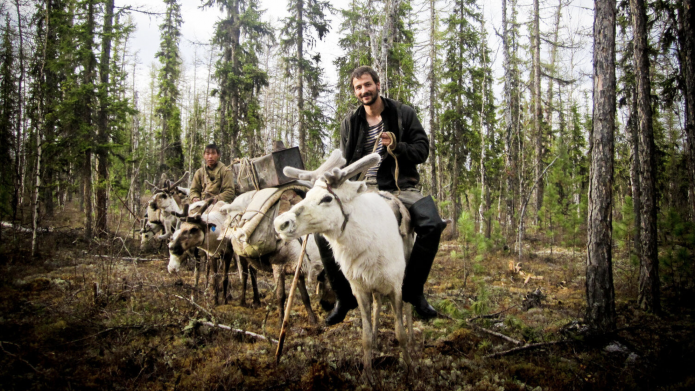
(288, 306)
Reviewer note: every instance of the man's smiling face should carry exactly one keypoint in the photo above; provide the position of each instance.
(366, 91)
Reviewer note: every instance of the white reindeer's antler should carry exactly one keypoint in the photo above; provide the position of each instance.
(338, 176)
(334, 160)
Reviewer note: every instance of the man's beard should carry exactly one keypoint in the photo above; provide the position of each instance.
(371, 101)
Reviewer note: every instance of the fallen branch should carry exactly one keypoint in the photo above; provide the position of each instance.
(496, 334)
(525, 347)
(19, 358)
(491, 316)
(128, 258)
(238, 331)
(195, 305)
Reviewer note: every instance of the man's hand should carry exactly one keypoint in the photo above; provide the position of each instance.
(385, 139)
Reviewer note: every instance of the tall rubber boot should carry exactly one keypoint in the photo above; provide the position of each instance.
(428, 226)
(343, 292)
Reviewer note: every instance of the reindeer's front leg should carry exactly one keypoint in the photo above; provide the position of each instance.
(365, 303)
(375, 319)
(279, 276)
(301, 285)
(397, 305)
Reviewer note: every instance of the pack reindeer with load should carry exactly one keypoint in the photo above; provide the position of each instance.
(242, 231)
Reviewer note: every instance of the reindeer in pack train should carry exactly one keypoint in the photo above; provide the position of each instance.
(161, 209)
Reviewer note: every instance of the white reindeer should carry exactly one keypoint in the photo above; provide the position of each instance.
(364, 235)
(202, 230)
(164, 205)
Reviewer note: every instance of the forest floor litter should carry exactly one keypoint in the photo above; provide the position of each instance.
(106, 315)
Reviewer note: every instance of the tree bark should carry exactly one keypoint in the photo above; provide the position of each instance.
(537, 110)
(633, 141)
(19, 140)
(103, 122)
(300, 79)
(234, 99)
(649, 295)
(600, 293)
(433, 95)
(510, 119)
(87, 102)
(484, 227)
(688, 54)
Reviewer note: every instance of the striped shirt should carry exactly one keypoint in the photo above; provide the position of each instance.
(372, 133)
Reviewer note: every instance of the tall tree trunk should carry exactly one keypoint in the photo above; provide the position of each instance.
(687, 15)
(600, 294)
(484, 187)
(553, 61)
(301, 127)
(19, 140)
(391, 8)
(510, 120)
(649, 295)
(234, 99)
(87, 103)
(537, 110)
(433, 95)
(103, 122)
(633, 141)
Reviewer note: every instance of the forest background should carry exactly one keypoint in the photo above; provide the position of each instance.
(506, 91)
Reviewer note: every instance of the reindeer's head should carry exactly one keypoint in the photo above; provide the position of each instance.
(147, 231)
(190, 234)
(165, 198)
(326, 207)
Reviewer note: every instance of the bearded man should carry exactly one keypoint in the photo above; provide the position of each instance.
(389, 128)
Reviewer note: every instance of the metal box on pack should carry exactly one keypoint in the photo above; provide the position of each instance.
(266, 171)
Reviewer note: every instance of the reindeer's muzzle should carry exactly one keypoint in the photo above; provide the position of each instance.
(285, 225)
(176, 248)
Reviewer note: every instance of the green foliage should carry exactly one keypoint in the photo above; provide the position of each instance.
(307, 23)
(677, 251)
(481, 306)
(167, 86)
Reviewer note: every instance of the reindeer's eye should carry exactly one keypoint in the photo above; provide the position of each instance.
(164, 196)
(193, 230)
(326, 199)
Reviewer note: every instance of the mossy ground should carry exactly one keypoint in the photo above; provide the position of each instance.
(137, 334)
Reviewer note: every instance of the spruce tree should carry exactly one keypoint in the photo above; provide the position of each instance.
(171, 151)
(306, 23)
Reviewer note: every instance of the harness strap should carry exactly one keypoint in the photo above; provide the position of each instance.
(346, 216)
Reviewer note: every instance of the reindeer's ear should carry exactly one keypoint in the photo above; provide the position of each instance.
(362, 187)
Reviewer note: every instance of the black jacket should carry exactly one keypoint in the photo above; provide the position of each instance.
(412, 146)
